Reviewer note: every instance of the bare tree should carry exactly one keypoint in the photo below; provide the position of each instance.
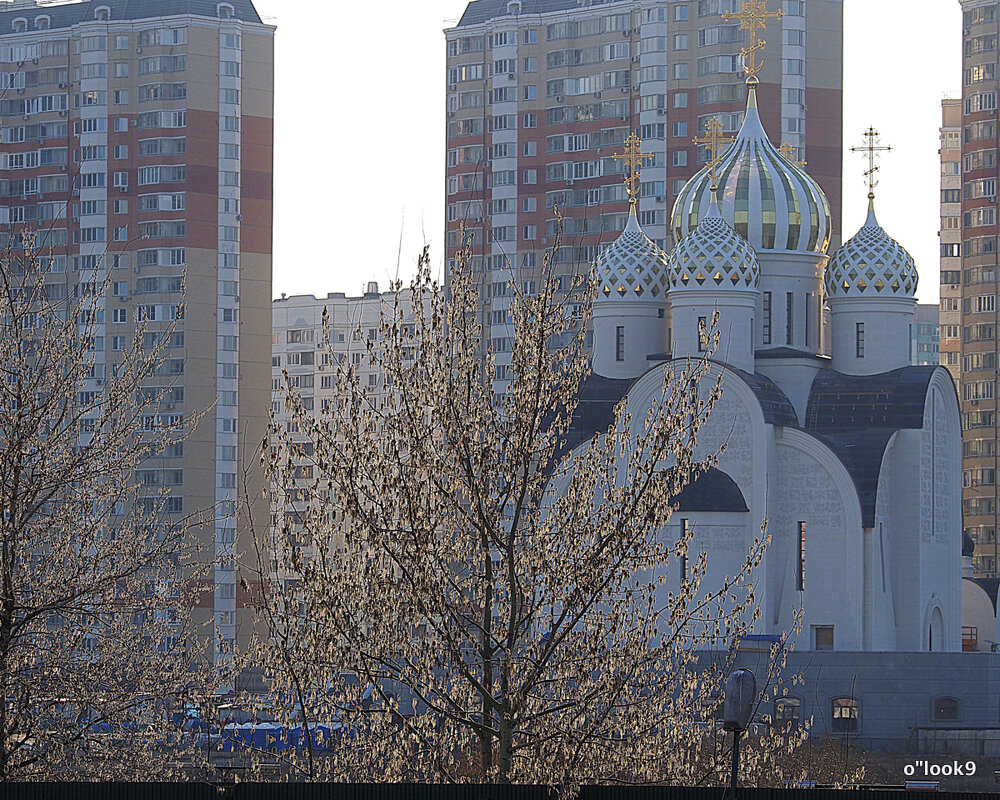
(437, 611)
(96, 563)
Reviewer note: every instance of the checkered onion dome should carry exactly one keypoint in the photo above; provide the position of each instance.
(713, 256)
(872, 264)
(633, 268)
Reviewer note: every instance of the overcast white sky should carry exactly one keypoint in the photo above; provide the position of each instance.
(365, 86)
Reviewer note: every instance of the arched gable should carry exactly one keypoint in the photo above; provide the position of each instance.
(812, 490)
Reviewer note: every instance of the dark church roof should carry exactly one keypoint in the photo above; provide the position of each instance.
(70, 14)
(968, 545)
(856, 416)
(773, 402)
(595, 410)
(713, 490)
(851, 402)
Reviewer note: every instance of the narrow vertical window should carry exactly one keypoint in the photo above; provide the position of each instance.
(808, 328)
(765, 327)
(684, 558)
(702, 322)
(620, 343)
(859, 343)
(789, 318)
(800, 576)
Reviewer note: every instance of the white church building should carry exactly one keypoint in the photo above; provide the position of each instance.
(851, 454)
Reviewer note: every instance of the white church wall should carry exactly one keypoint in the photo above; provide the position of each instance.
(885, 338)
(880, 613)
(644, 333)
(924, 506)
(812, 486)
(737, 424)
(799, 275)
(736, 311)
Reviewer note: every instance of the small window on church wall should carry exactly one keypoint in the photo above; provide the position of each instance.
(620, 343)
(765, 326)
(822, 637)
(800, 573)
(685, 528)
(846, 715)
(787, 712)
(702, 322)
(808, 304)
(860, 340)
(945, 709)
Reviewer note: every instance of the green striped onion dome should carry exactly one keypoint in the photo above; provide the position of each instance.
(771, 202)
(713, 256)
(633, 267)
(872, 264)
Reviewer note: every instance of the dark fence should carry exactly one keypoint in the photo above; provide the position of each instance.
(394, 791)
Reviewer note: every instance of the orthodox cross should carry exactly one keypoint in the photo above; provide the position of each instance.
(788, 152)
(873, 149)
(715, 143)
(633, 158)
(753, 17)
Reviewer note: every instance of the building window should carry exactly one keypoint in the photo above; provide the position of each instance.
(685, 528)
(822, 637)
(620, 343)
(787, 712)
(766, 322)
(806, 322)
(859, 342)
(945, 709)
(800, 573)
(846, 715)
(789, 318)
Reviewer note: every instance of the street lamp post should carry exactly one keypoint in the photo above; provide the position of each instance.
(741, 695)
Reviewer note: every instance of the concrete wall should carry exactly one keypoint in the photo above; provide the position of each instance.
(896, 691)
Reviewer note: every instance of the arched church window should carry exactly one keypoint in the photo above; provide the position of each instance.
(945, 709)
(19, 25)
(514, 7)
(846, 715)
(102, 13)
(935, 631)
(787, 712)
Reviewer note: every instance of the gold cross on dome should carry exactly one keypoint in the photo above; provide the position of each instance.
(633, 158)
(715, 143)
(873, 149)
(788, 152)
(753, 17)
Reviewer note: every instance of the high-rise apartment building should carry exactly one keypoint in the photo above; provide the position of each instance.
(924, 336)
(300, 349)
(979, 289)
(137, 138)
(950, 318)
(542, 93)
